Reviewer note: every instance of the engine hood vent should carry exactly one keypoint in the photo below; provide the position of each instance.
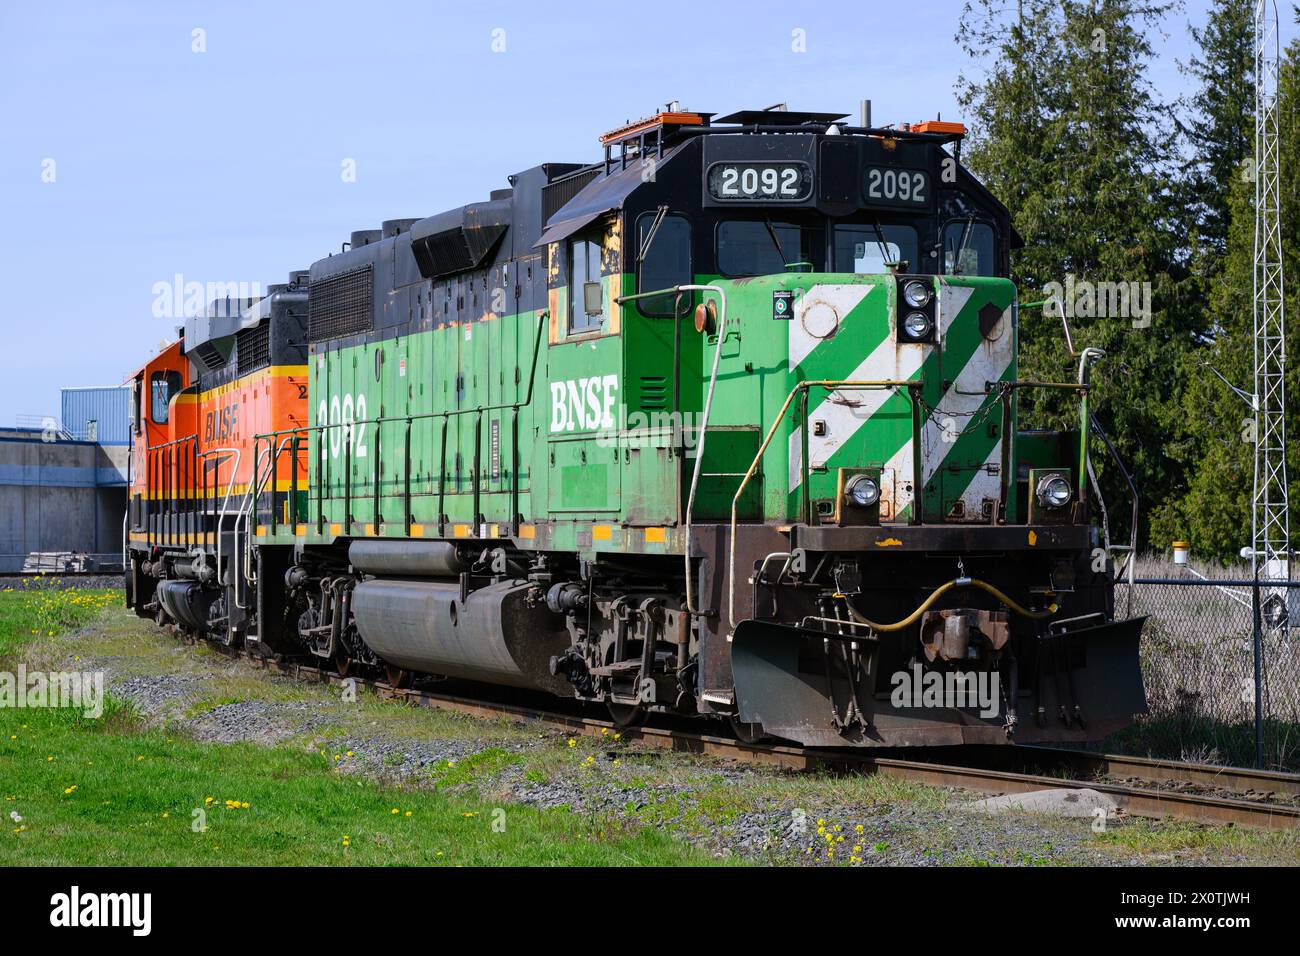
(460, 239)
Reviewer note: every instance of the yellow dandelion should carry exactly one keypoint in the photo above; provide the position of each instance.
(166, 814)
(572, 742)
(349, 753)
(408, 813)
(395, 810)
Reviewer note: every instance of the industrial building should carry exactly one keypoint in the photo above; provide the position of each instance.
(63, 485)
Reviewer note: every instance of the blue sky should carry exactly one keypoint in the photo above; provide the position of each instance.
(226, 165)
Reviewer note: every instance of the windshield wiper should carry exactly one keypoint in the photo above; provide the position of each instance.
(771, 231)
(650, 236)
(961, 250)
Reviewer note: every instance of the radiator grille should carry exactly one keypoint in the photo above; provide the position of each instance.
(340, 305)
(253, 348)
(556, 194)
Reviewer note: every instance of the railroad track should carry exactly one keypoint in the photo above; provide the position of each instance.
(1157, 789)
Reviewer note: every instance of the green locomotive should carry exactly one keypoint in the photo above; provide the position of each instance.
(723, 424)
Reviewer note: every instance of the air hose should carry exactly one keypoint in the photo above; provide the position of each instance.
(938, 593)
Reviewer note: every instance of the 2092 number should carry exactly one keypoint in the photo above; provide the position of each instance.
(346, 417)
(759, 181)
(897, 185)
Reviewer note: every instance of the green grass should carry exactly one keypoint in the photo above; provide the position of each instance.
(45, 611)
(116, 794)
(1144, 837)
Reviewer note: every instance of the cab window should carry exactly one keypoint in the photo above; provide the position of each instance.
(760, 248)
(665, 262)
(162, 386)
(868, 249)
(969, 249)
(584, 267)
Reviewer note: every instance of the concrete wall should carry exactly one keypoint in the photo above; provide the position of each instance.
(59, 496)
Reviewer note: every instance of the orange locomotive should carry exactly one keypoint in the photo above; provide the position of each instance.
(238, 370)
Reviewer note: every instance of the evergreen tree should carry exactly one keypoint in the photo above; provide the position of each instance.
(1220, 127)
(1070, 135)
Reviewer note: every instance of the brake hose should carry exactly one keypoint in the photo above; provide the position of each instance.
(938, 593)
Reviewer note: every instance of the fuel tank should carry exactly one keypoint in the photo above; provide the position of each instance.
(502, 633)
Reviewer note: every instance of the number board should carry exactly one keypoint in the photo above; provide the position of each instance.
(760, 182)
(889, 186)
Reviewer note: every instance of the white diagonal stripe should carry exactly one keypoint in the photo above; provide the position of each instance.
(844, 412)
(818, 314)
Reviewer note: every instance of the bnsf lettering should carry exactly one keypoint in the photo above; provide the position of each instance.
(583, 404)
(219, 425)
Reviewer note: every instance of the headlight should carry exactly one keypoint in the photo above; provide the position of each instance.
(862, 491)
(916, 325)
(1054, 492)
(916, 294)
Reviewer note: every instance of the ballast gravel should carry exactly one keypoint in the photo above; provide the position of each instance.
(729, 811)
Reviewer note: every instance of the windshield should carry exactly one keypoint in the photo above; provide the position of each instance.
(759, 248)
(867, 248)
(969, 249)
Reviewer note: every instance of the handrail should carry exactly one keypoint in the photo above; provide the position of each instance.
(703, 430)
(804, 387)
(225, 502)
(1004, 392)
(251, 496)
(349, 428)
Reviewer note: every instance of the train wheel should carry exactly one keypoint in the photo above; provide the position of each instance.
(748, 733)
(627, 715)
(398, 679)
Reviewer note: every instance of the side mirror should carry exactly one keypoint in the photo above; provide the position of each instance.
(591, 297)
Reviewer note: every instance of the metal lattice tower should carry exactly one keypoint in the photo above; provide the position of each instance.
(1270, 522)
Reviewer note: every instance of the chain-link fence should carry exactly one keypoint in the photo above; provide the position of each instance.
(1198, 664)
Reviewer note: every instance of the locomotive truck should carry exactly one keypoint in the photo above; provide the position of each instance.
(724, 424)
